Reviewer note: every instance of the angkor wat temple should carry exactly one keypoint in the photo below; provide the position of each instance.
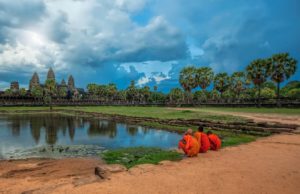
(35, 81)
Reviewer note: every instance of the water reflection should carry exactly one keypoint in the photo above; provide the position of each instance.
(24, 131)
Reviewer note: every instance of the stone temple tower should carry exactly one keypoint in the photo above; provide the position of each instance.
(71, 83)
(35, 81)
(51, 75)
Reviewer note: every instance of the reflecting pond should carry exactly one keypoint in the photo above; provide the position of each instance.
(59, 135)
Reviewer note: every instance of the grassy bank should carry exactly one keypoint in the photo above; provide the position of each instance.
(130, 157)
(157, 112)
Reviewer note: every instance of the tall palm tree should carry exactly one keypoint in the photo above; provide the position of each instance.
(187, 79)
(238, 82)
(258, 72)
(51, 90)
(283, 67)
(204, 77)
(221, 82)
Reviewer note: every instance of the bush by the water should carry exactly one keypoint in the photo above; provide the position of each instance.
(130, 157)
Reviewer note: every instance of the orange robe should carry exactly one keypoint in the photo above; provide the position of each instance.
(197, 135)
(215, 142)
(191, 148)
(181, 145)
(205, 144)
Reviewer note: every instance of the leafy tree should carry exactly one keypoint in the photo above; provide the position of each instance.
(215, 94)
(258, 72)
(269, 84)
(50, 91)
(290, 86)
(283, 67)
(37, 92)
(8, 92)
(22, 92)
(204, 77)
(238, 83)
(176, 95)
(267, 93)
(145, 91)
(222, 82)
(201, 95)
(294, 93)
(62, 92)
(187, 79)
(131, 91)
(111, 91)
(92, 89)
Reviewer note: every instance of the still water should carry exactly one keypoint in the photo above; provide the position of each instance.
(57, 135)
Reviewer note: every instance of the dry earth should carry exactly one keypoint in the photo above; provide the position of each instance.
(269, 165)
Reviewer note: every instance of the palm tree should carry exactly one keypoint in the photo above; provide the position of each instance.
(221, 82)
(258, 72)
(176, 95)
(50, 87)
(111, 91)
(187, 79)
(131, 92)
(283, 67)
(204, 77)
(92, 89)
(238, 82)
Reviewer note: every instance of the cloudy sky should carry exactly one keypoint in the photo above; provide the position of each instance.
(149, 41)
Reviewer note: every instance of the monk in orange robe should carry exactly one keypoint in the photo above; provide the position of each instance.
(215, 142)
(189, 144)
(202, 140)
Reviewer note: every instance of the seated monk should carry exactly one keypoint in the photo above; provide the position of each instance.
(202, 139)
(181, 145)
(215, 142)
(189, 144)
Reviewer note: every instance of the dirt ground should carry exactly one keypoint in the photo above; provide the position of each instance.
(269, 165)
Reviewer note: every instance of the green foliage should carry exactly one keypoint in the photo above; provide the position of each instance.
(204, 77)
(294, 93)
(130, 157)
(267, 93)
(258, 71)
(239, 83)
(222, 82)
(214, 94)
(176, 95)
(37, 92)
(201, 95)
(187, 78)
(269, 84)
(290, 86)
(8, 92)
(22, 92)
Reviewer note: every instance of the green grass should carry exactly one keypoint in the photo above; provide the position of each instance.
(228, 138)
(130, 157)
(156, 112)
(283, 111)
(24, 108)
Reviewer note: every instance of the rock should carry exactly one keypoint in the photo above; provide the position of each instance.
(101, 172)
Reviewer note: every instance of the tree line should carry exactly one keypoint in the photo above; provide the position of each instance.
(261, 78)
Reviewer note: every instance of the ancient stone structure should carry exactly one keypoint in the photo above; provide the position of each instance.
(71, 83)
(35, 81)
(51, 75)
(14, 86)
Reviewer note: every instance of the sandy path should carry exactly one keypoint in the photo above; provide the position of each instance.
(269, 165)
